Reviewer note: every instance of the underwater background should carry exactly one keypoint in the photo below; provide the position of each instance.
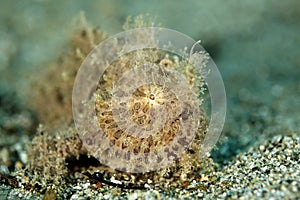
(254, 43)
